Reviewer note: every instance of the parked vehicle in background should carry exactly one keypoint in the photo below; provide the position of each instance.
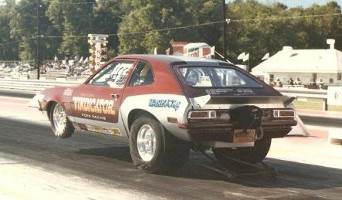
(167, 104)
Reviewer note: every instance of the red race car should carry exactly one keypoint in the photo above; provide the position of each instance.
(166, 105)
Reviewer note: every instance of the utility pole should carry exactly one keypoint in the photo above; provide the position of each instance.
(38, 42)
(224, 29)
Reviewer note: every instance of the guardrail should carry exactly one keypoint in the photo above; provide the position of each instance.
(34, 85)
(307, 93)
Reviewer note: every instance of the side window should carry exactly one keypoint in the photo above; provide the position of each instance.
(113, 75)
(142, 75)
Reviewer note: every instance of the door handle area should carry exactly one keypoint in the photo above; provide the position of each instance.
(115, 96)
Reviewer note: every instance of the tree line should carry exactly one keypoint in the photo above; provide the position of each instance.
(61, 27)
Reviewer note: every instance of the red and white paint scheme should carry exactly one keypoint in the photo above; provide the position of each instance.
(168, 104)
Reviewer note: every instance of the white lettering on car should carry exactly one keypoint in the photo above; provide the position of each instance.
(164, 103)
(93, 105)
(68, 92)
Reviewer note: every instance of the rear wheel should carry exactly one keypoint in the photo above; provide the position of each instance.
(230, 158)
(60, 124)
(153, 149)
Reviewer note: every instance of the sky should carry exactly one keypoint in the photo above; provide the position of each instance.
(299, 3)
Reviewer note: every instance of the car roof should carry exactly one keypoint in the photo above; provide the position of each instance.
(168, 59)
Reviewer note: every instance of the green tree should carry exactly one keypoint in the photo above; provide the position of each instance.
(23, 28)
(106, 19)
(73, 20)
(49, 33)
(260, 28)
(209, 14)
(252, 29)
(8, 46)
(136, 26)
(325, 25)
(149, 24)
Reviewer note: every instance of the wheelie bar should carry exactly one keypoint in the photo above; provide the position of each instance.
(232, 175)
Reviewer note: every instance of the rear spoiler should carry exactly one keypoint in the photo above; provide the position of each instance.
(207, 99)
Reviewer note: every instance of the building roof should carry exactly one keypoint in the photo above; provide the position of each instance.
(302, 61)
(196, 45)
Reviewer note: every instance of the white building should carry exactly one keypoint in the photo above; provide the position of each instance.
(305, 64)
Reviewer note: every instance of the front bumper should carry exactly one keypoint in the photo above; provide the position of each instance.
(35, 101)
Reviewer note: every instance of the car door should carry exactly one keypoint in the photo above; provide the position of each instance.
(96, 103)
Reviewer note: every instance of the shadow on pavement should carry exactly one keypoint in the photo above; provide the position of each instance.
(109, 158)
(290, 174)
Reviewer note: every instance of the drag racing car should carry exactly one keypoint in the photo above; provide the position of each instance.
(167, 105)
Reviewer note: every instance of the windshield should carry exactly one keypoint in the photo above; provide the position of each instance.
(210, 76)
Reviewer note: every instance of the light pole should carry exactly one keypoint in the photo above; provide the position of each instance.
(38, 42)
(224, 29)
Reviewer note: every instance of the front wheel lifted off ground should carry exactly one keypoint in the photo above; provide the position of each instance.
(153, 149)
(60, 124)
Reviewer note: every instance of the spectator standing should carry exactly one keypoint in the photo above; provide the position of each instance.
(291, 82)
(298, 81)
(320, 83)
(278, 83)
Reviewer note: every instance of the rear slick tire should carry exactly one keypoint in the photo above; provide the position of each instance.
(153, 149)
